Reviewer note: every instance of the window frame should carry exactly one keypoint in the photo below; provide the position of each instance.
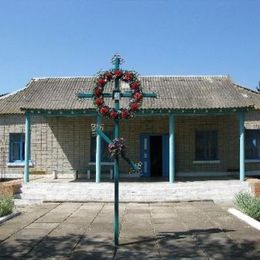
(211, 144)
(21, 144)
(255, 133)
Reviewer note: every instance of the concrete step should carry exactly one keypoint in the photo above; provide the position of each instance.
(94, 186)
(36, 192)
(165, 193)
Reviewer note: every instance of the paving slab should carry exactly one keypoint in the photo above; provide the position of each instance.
(60, 213)
(96, 246)
(138, 250)
(197, 230)
(28, 215)
(24, 240)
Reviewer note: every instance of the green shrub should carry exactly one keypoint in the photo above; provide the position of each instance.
(248, 205)
(6, 206)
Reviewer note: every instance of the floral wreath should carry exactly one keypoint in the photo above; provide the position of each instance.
(117, 147)
(136, 98)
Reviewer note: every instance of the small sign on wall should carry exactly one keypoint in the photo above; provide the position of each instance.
(252, 125)
(94, 129)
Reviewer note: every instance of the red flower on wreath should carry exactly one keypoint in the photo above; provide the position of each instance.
(125, 114)
(98, 91)
(113, 114)
(101, 82)
(99, 101)
(128, 76)
(108, 75)
(138, 96)
(118, 73)
(134, 106)
(104, 110)
(135, 85)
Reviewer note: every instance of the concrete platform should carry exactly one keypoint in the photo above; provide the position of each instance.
(129, 191)
(199, 230)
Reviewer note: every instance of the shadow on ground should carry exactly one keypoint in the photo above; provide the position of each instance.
(202, 243)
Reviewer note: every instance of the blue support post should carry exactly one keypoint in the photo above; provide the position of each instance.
(98, 151)
(242, 147)
(171, 148)
(27, 147)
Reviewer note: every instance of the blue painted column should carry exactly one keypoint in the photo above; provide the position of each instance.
(98, 151)
(27, 147)
(171, 148)
(242, 147)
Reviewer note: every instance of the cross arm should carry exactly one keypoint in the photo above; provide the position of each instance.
(135, 167)
(148, 95)
(104, 136)
(125, 94)
(91, 95)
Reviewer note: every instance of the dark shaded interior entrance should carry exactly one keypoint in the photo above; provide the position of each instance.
(156, 156)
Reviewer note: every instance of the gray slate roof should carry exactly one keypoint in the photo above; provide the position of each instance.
(173, 92)
(254, 96)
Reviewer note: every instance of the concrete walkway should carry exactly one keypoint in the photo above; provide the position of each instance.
(201, 230)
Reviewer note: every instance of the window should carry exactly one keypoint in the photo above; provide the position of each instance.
(252, 144)
(16, 152)
(206, 146)
(105, 156)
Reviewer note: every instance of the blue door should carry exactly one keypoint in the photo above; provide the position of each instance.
(145, 155)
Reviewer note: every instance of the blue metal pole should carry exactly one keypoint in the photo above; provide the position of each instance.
(242, 146)
(116, 168)
(171, 148)
(98, 151)
(27, 147)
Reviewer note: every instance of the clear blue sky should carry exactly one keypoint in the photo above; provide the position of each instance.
(79, 37)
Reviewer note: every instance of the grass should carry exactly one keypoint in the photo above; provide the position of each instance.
(6, 206)
(248, 204)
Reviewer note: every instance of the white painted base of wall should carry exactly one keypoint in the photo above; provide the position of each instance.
(11, 175)
(20, 176)
(215, 174)
(65, 175)
(206, 174)
(37, 176)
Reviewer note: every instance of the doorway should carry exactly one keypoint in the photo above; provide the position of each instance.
(156, 157)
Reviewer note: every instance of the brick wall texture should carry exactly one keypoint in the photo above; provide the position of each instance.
(63, 143)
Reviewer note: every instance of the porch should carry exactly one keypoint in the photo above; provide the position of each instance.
(46, 189)
(72, 150)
